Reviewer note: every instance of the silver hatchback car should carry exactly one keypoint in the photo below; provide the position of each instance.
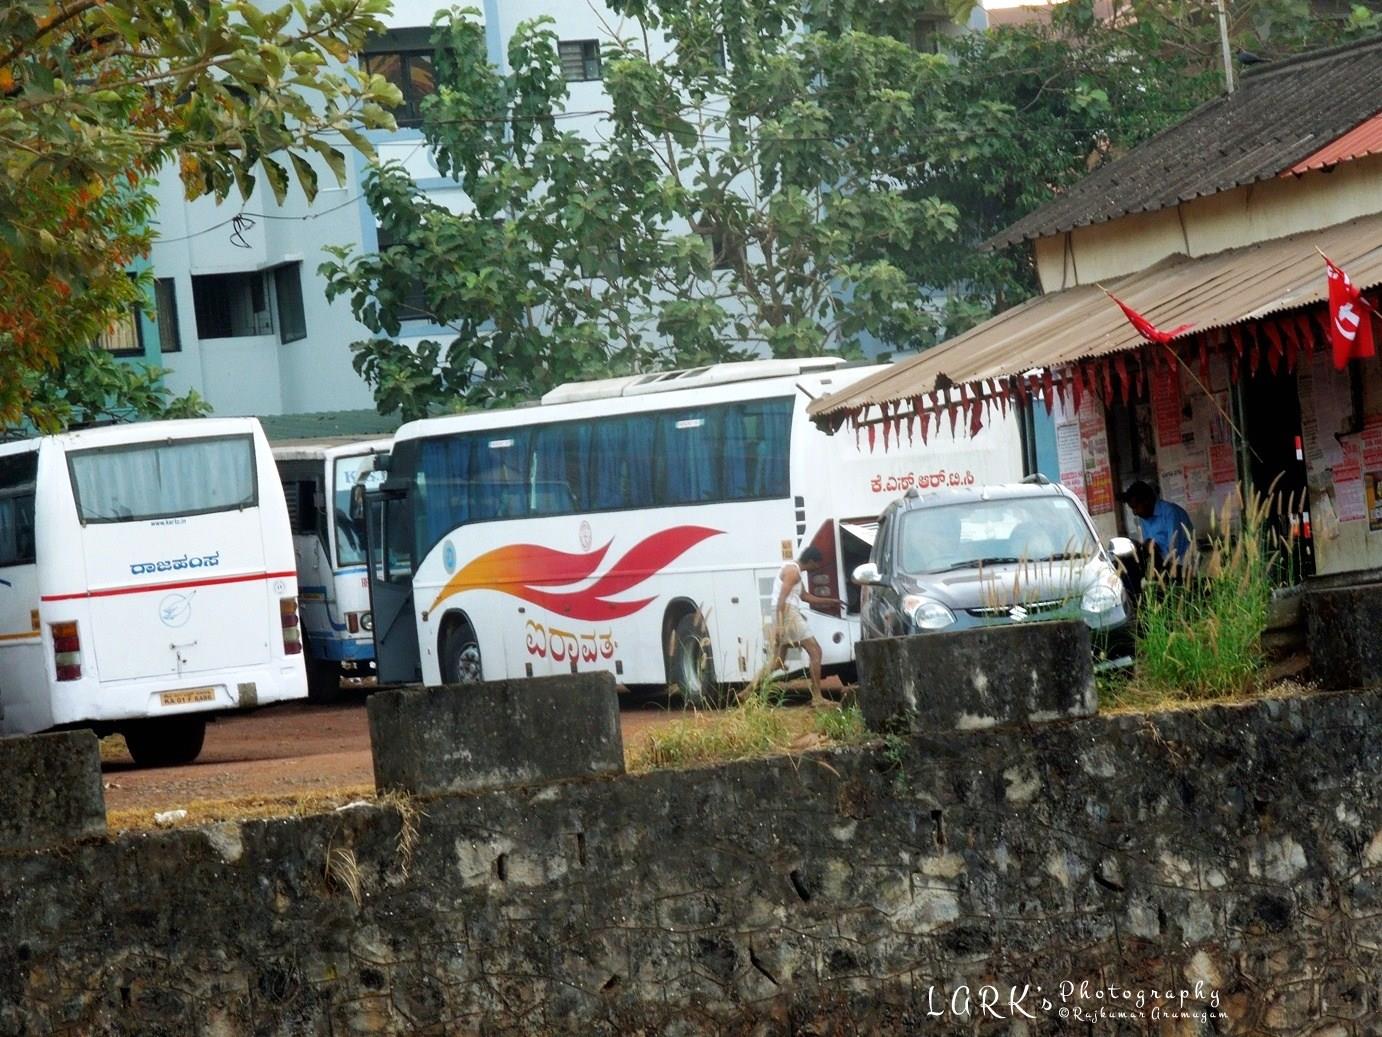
(997, 554)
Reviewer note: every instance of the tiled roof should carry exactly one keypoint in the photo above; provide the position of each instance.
(1281, 114)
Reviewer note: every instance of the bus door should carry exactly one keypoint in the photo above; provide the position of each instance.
(388, 539)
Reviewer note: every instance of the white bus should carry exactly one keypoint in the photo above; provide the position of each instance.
(320, 479)
(636, 524)
(146, 582)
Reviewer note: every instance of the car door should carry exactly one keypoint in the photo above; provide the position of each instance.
(879, 600)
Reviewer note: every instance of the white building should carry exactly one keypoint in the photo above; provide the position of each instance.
(243, 314)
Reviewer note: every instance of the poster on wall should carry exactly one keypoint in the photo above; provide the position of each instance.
(1332, 409)
(1098, 476)
(1349, 500)
(1372, 444)
(1372, 486)
(1197, 485)
(1068, 458)
(1166, 407)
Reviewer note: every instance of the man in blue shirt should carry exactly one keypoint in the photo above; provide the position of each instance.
(1166, 528)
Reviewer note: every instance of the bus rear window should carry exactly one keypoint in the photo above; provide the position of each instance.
(167, 479)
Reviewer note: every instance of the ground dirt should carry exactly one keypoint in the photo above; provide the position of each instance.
(286, 759)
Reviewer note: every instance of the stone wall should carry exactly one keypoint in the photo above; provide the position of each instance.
(844, 892)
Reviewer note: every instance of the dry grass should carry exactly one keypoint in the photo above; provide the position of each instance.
(1131, 698)
(758, 726)
(243, 808)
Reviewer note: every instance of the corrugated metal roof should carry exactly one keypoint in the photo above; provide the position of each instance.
(1281, 112)
(1357, 142)
(1213, 291)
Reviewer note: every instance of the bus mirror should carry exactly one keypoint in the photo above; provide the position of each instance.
(357, 503)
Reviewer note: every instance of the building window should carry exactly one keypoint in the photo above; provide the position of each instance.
(231, 305)
(166, 315)
(292, 322)
(123, 337)
(719, 52)
(413, 305)
(405, 58)
(580, 60)
(927, 33)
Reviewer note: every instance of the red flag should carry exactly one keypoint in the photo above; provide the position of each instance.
(1146, 328)
(1350, 320)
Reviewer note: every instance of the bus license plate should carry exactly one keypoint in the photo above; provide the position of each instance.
(188, 697)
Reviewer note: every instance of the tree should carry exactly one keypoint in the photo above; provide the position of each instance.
(96, 96)
(90, 385)
(721, 215)
(777, 177)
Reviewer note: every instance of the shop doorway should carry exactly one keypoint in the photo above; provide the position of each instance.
(1269, 405)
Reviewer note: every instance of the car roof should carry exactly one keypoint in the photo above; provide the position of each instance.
(997, 491)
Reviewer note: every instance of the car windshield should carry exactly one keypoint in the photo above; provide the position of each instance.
(994, 532)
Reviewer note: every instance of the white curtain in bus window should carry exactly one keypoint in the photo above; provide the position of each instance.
(164, 480)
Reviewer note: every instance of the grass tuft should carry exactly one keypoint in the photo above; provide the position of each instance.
(1200, 638)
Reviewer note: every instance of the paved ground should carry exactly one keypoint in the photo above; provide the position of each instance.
(290, 750)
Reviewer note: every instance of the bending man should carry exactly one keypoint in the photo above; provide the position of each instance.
(790, 627)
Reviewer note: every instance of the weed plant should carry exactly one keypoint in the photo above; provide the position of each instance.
(1199, 631)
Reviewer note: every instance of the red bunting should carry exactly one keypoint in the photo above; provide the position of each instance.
(925, 425)
(871, 435)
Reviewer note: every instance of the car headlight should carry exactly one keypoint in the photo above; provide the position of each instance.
(927, 614)
(1101, 598)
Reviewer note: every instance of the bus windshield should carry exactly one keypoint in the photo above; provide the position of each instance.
(350, 529)
(166, 479)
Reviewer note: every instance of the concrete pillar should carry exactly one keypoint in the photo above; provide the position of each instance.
(50, 790)
(968, 679)
(427, 741)
(1343, 628)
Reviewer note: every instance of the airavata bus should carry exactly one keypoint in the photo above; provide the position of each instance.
(323, 481)
(146, 582)
(636, 524)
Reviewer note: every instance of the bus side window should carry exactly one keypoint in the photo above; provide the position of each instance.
(17, 530)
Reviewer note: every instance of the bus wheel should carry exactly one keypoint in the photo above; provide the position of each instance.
(460, 656)
(691, 664)
(165, 741)
(323, 680)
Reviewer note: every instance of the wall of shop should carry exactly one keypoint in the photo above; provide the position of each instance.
(1203, 226)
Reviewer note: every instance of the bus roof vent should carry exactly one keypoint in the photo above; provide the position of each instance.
(691, 378)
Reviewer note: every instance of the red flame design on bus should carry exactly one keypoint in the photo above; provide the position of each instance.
(534, 573)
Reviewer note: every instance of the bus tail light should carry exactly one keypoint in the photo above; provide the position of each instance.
(358, 621)
(67, 651)
(826, 583)
(292, 632)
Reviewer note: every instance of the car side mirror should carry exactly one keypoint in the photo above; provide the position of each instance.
(867, 575)
(357, 503)
(1122, 547)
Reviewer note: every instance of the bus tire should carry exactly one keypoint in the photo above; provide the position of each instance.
(323, 680)
(165, 741)
(691, 663)
(458, 654)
